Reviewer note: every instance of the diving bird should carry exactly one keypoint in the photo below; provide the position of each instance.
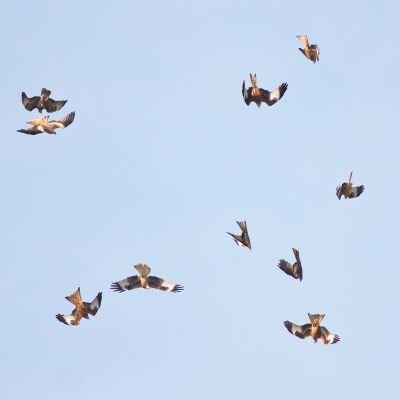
(42, 102)
(44, 125)
(81, 310)
(347, 189)
(310, 51)
(143, 280)
(258, 95)
(242, 240)
(315, 330)
(295, 270)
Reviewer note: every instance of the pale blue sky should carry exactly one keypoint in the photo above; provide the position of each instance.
(162, 158)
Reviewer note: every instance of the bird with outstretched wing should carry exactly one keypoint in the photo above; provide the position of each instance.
(295, 270)
(242, 240)
(259, 95)
(145, 281)
(44, 125)
(82, 309)
(310, 51)
(313, 329)
(42, 102)
(349, 191)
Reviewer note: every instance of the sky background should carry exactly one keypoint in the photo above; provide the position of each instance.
(162, 158)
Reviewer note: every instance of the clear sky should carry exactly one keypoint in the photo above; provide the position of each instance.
(162, 158)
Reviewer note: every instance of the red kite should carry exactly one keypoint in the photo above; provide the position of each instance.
(295, 270)
(42, 102)
(348, 190)
(44, 125)
(242, 240)
(310, 51)
(143, 280)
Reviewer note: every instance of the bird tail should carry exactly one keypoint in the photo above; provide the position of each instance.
(75, 298)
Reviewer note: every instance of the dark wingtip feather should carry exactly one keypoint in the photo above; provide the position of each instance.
(115, 286)
(61, 319)
(360, 190)
(177, 288)
(288, 325)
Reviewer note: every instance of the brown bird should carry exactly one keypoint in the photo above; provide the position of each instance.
(44, 125)
(242, 240)
(310, 51)
(143, 280)
(81, 310)
(348, 190)
(42, 102)
(258, 95)
(294, 270)
(314, 330)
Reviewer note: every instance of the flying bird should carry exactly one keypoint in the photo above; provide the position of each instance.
(42, 102)
(143, 280)
(44, 125)
(348, 190)
(315, 330)
(258, 95)
(81, 310)
(242, 240)
(310, 51)
(295, 270)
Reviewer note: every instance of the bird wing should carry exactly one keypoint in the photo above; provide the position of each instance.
(271, 98)
(340, 190)
(63, 122)
(327, 337)
(304, 40)
(67, 319)
(132, 282)
(38, 121)
(242, 225)
(301, 331)
(35, 130)
(54, 105)
(355, 191)
(246, 94)
(245, 238)
(286, 267)
(93, 307)
(161, 284)
(29, 102)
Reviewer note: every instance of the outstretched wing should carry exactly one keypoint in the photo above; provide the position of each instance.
(54, 105)
(271, 98)
(71, 319)
(29, 103)
(161, 284)
(64, 122)
(132, 282)
(304, 40)
(286, 267)
(327, 337)
(355, 191)
(301, 331)
(93, 307)
(246, 94)
(31, 131)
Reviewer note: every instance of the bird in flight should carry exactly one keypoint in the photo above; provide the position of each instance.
(258, 95)
(44, 125)
(81, 310)
(295, 270)
(315, 330)
(242, 240)
(42, 102)
(348, 190)
(143, 280)
(310, 51)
